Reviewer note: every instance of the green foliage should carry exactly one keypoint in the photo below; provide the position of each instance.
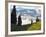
(19, 20)
(35, 26)
(13, 18)
(37, 19)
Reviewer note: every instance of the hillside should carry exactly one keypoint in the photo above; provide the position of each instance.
(28, 27)
(35, 26)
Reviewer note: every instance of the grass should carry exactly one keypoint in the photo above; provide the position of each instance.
(35, 26)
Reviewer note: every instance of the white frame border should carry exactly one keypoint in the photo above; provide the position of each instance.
(26, 32)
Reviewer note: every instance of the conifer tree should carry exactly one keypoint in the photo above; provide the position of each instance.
(31, 21)
(19, 20)
(37, 19)
(13, 19)
(13, 15)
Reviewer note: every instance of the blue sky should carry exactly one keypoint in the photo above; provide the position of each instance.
(27, 10)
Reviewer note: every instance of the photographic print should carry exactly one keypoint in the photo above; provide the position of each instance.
(25, 18)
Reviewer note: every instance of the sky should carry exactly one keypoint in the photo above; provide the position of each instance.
(27, 12)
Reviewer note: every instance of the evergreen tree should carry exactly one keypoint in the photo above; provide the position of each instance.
(19, 20)
(13, 19)
(37, 19)
(31, 21)
(13, 15)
